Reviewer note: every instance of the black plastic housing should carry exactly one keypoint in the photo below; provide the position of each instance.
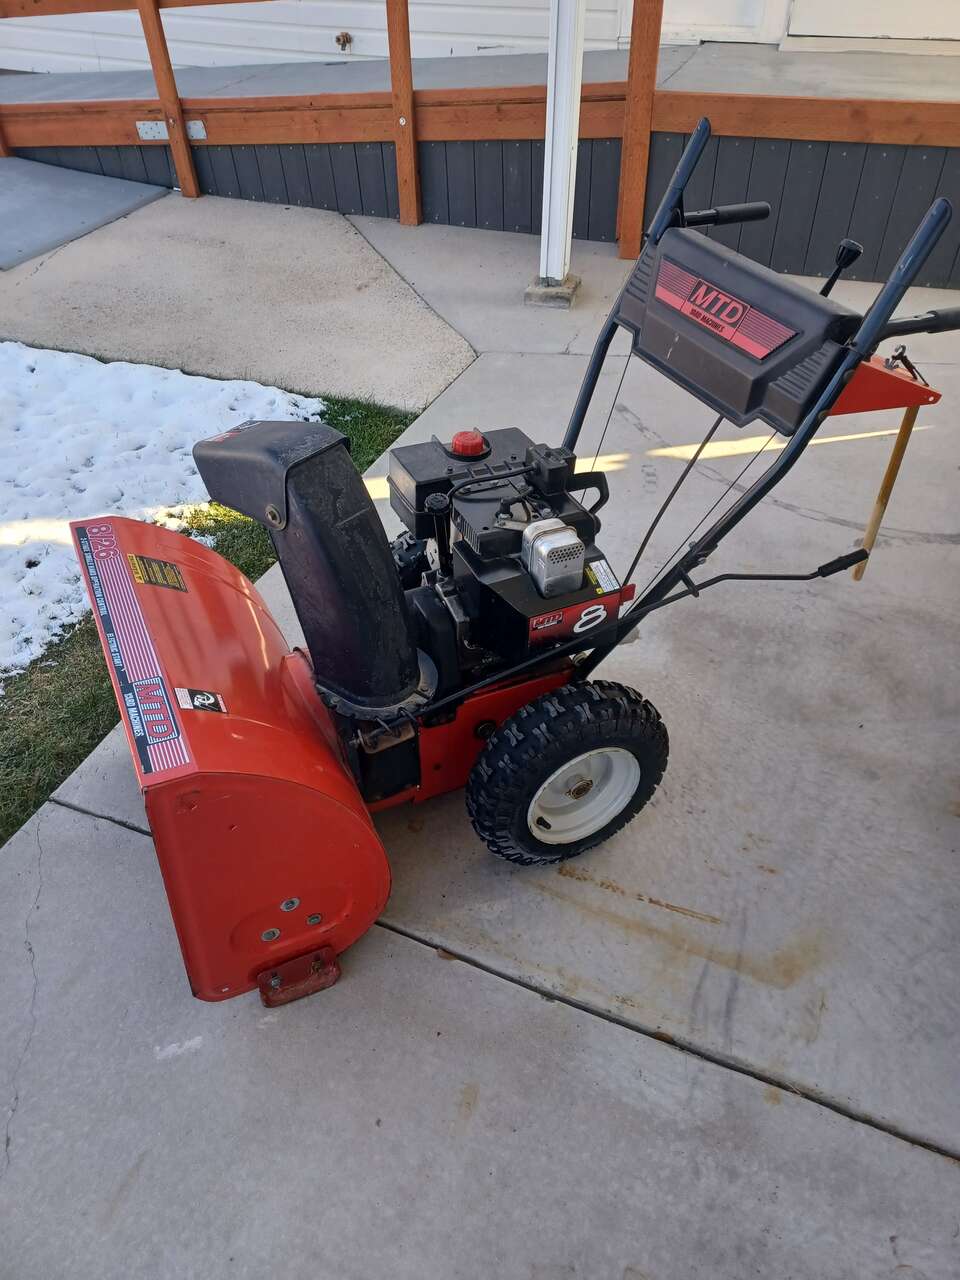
(739, 337)
(418, 470)
(298, 480)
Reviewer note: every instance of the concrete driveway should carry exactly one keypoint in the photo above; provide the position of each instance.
(290, 297)
(725, 1044)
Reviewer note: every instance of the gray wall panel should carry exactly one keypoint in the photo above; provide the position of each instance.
(731, 180)
(224, 171)
(390, 177)
(943, 263)
(488, 170)
(85, 159)
(132, 163)
(604, 189)
(461, 184)
(818, 191)
(271, 173)
(871, 209)
(767, 176)
(581, 195)
(798, 203)
(294, 165)
(323, 189)
(919, 180)
(665, 151)
(248, 172)
(433, 182)
(373, 182)
(517, 201)
(203, 164)
(158, 163)
(536, 186)
(110, 163)
(699, 193)
(838, 191)
(346, 176)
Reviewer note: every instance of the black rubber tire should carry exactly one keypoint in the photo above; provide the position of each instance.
(537, 740)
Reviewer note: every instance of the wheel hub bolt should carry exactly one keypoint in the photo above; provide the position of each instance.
(580, 789)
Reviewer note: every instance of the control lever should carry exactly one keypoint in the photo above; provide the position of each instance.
(848, 251)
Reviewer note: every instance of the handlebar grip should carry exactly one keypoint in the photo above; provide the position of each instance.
(943, 319)
(752, 211)
(928, 322)
(849, 561)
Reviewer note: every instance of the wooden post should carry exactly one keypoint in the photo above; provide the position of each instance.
(169, 98)
(886, 487)
(641, 83)
(4, 149)
(404, 122)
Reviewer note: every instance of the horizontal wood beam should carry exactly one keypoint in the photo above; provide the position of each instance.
(447, 115)
(747, 115)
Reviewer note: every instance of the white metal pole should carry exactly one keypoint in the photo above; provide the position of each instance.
(564, 79)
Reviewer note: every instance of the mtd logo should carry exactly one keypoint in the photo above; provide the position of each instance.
(726, 316)
(711, 306)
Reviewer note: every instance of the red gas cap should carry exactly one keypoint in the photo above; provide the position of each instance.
(468, 444)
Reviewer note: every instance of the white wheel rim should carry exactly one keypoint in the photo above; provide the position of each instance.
(583, 795)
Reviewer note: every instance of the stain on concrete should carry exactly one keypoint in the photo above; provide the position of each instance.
(469, 1097)
(611, 886)
(772, 1095)
(781, 968)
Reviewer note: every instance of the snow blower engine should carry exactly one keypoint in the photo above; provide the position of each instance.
(460, 654)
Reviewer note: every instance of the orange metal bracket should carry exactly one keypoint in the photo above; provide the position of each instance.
(874, 386)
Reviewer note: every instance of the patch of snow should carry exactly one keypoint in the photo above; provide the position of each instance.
(82, 438)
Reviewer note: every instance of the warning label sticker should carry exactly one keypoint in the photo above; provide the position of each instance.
(156, 573)
(200, 700)
(602, 577)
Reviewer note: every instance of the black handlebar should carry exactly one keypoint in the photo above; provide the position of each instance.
(752, 211)
(929, 322)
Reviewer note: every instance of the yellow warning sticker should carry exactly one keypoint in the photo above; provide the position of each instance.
(156, 573)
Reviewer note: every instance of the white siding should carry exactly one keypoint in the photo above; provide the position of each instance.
(288, 31)
(305, 30)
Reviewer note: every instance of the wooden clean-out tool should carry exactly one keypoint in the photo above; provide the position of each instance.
(886, 487)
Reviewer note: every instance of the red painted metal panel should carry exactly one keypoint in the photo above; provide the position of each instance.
(874, 386)
(249, 799)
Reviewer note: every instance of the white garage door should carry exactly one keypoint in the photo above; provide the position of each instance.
(877, 19)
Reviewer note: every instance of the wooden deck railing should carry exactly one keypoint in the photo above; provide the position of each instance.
(404, 115)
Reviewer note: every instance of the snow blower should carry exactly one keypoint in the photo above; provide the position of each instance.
(460, 654)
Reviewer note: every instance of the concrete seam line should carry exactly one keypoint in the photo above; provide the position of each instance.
(411, 286)
(102, 817)
(688, 1047)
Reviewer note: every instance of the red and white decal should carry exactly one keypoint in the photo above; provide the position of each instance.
(724, 315)
(142, 689)
(575, 619)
